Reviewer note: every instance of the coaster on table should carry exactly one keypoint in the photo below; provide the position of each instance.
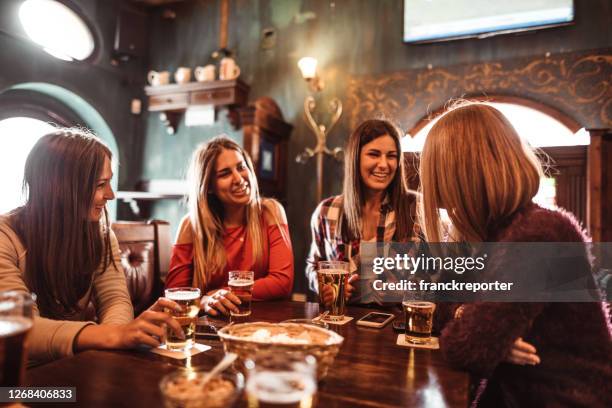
(197, 348)
(433, 343)
(344, 320)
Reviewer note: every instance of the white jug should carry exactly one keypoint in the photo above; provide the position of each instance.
(158, 78)
(228, 69)
(206, 73)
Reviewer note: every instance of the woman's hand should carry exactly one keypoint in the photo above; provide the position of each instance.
(522, 353)
(328, 294)
(220, 301)
(149, 328)
(350, 288)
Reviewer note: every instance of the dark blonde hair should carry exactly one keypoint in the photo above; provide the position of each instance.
(474, 165)
(206, 212)
(353, 189)
(64, 247)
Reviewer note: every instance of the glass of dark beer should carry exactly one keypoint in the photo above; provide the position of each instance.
(419, 321)
(16, 309)
(241, 284)
(189, 300)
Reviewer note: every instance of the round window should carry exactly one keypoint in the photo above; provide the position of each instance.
(58, 29)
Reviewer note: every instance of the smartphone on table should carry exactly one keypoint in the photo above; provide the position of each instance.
(375, 319)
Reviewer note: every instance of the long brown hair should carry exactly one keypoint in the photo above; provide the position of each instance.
(206, 211)
(474, 165)
(64, 247)
(353, 189)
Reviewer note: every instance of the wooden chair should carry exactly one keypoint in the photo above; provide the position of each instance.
(145, 256)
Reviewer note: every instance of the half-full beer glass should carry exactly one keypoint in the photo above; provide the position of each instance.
(189, 300)
(419, 321)
(15, 324)
(332, 278)
(241, 284)
(281, 380)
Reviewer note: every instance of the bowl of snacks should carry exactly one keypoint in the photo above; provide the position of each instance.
(188, 388)
(249, 339)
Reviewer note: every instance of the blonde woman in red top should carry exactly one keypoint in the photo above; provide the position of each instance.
(230, 227)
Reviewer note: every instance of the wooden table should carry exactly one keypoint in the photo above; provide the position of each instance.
(369, 371)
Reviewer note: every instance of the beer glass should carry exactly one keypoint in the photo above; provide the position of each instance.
(332, 277)
(241, 284)
(286, 380)
(16, 320)
(189, 300)
(419, 321)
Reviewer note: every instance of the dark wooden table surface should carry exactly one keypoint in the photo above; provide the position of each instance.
(370, 370)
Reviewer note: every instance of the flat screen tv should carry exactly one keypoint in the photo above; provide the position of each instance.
(441, 20)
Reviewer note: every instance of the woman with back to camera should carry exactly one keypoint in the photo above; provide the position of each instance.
(59, 246)
(375, 205)
(230, 227)
(476, 167)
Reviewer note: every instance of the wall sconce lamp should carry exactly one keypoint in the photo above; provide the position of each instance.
(308, 67)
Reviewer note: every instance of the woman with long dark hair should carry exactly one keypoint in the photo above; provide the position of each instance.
(230, 227)
(375, 205)
(59, 246)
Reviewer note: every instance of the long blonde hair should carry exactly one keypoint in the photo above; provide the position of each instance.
(206, 211)
(474, 165)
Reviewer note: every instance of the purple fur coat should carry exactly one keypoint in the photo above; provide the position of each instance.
(573, 340)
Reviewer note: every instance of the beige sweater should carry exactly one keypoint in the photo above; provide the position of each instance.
(53, 339)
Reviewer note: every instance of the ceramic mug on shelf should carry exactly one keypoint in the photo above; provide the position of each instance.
(182, 75)
(228, 69)
(156, 78)
(206, 73)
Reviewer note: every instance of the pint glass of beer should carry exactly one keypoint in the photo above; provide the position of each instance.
(281, 380)
(419, 321)
(189, 300)
(332, 278)
(15, 324)
(241, 284)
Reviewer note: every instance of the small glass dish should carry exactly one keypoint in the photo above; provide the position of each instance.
(312, 322)
(183, 388)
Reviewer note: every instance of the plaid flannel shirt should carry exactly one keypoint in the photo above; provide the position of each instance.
(328, 245)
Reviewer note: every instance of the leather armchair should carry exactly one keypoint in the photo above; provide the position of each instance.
(145, 256)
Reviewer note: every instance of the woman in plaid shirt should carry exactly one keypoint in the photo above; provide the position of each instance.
(375, 204)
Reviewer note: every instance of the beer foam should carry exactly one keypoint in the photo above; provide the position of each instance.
(182, 295)
(282, 387)
(12, 325)
(241, 282)
(333, 271)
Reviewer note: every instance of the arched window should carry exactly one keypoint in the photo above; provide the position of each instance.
(17, 136)
(565, 184)
(28, 112)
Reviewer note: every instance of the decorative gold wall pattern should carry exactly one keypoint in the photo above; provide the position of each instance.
(577, 84)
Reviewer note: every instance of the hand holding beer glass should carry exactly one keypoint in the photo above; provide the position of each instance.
(332, 277)
(15, 324)
(189, 301)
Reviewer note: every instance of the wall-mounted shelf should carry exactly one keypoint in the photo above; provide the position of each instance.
(150, 191)
(172, 100)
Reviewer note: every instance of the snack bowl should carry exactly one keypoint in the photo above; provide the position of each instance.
(249, 339)
(183, 388)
